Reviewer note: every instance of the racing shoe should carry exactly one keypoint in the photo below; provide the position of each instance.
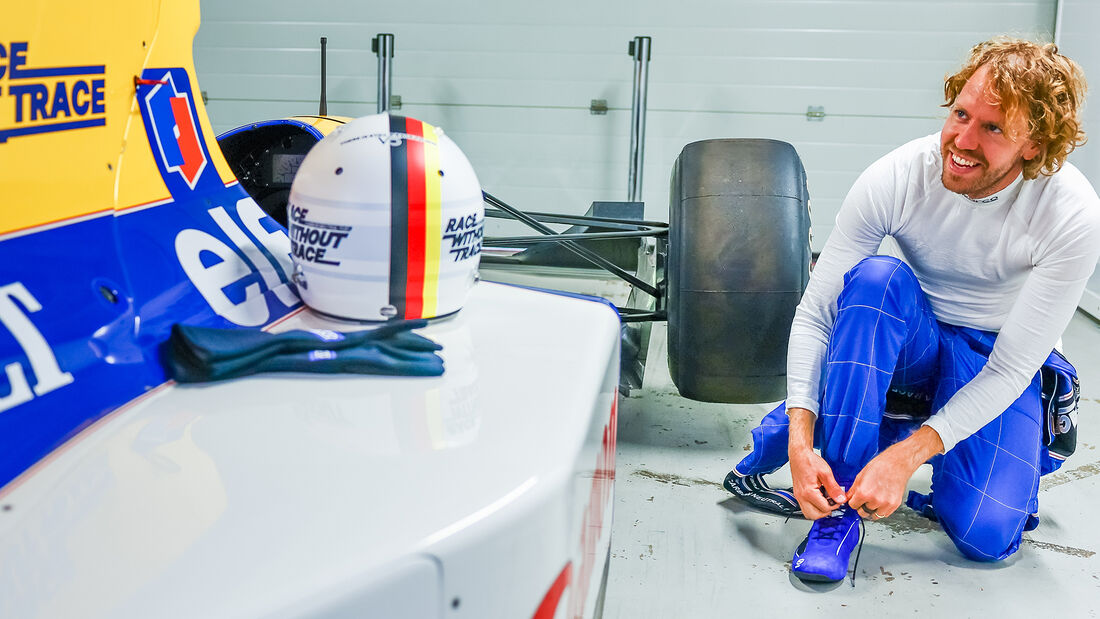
(753, 490)
(823, 555)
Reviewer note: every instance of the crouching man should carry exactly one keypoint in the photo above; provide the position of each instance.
(948, 353)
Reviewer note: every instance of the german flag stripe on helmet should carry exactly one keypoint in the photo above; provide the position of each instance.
(399, 217)
(416, 219)
(414, 276)
(433, 227)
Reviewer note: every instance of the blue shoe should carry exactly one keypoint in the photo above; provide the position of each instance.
(753, 490)
(823, 555)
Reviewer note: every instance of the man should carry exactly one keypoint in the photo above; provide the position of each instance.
(937, 356)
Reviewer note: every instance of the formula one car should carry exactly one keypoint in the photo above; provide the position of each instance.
(484, 492)
(726, 272)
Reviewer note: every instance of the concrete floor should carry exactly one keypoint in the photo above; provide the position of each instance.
(682, 547)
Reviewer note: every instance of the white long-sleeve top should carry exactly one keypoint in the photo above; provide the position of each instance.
(1015, 263)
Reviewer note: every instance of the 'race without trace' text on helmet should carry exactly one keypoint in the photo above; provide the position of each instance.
(386, 222)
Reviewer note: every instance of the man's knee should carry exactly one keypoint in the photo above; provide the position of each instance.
(882, 282)
(988, 549)
(989, 535)
(880, 272)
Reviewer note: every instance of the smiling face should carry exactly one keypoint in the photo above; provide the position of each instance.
(983, 152)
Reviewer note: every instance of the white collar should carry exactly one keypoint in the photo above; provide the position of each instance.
(1005, 195)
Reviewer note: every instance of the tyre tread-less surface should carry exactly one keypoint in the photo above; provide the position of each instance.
(739, 257)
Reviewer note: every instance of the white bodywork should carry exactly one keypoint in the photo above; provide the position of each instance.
(289, 495)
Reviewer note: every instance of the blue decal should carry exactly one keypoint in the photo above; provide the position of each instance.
(175, 135)
(19, 58)
(50, 99)
(85, 308)
(76, 124)
(164, 124)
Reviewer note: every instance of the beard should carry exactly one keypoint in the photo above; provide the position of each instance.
(985, 182)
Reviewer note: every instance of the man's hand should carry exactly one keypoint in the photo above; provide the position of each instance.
(809, 471)
(809, 474)
(879, 488)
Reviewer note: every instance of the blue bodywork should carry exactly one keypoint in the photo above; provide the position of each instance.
(100, 293)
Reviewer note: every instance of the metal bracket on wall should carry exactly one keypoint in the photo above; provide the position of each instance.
(598, 107)
(395, 102)
(815, 113)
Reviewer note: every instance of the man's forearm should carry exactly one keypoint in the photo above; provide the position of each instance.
(917, 448)
(812, 479)
(800, 430)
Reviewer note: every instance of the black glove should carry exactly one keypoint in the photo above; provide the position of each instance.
(199, 354)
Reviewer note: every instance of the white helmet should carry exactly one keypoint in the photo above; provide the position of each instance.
(386, 221)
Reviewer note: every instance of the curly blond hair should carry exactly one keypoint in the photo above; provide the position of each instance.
(1035, 80)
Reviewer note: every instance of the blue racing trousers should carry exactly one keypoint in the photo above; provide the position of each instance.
(886, 343)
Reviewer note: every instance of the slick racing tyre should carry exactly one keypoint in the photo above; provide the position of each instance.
(738, 261)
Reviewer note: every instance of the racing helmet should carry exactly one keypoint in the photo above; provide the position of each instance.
(386, 221)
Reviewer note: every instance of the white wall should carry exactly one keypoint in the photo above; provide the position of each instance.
(1078, 40)
(511, 81)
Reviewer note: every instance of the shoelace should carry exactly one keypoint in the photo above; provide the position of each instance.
(829, 528)
(831, 534)
(859, 549)
(829, 531)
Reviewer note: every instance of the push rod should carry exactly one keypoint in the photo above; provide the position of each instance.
(581, 251)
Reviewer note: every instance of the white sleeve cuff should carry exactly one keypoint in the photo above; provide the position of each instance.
(943, 428)
(809, 404)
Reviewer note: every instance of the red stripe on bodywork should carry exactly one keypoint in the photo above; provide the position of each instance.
(188, 139)
(549, 603)
(414, 288)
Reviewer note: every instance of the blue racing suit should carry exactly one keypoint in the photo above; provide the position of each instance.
(886, 344)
